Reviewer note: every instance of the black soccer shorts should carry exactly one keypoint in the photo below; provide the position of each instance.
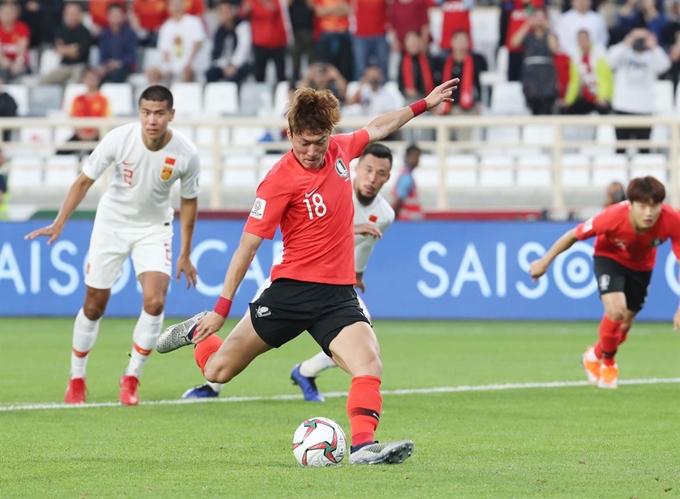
(613, 277)
(288, 307)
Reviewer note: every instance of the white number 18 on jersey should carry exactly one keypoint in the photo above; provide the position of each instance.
(318, 207)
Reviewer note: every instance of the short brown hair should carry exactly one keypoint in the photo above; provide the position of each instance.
(316, 111)
(646, 190)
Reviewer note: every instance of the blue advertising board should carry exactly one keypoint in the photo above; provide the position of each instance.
(437, 270)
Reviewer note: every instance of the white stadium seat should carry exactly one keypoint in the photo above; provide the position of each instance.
(575, 170)
(20, 95)
(188, 99)
(534, 171)
(610, 168)
(508, 98)
(25, 172)
(461, 170)
(240, 171)
(61, 171)
(221, 98)
(49, 61)
(119, 96)
(655, 165)
(281, 97)
(663, 97)
(496, 171)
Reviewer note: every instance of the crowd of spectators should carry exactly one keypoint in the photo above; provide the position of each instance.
(573, 62)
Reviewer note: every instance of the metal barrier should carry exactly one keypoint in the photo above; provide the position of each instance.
(438, 143)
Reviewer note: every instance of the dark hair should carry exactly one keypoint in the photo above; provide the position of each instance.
(379, 151)
(157, 93)
(412, 148)
(316, 111)
(646, 190)
(115, 5)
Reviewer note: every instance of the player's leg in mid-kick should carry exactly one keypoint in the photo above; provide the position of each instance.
(355, 349)
(304, 374)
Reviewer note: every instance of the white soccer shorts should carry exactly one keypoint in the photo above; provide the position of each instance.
(149, 247)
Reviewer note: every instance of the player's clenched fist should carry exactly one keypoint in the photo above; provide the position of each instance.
(208, 325)
(538, 268)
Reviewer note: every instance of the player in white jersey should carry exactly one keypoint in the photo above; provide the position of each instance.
(372, 217)
(134, 218)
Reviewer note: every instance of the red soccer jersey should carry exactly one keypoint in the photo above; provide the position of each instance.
(315, 211)
(456, 18)
(9, 40)
(617, 240)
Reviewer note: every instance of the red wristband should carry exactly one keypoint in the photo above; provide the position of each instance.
(223, 306)
(418, 107)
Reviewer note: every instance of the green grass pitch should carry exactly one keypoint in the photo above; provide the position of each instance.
(549, 442)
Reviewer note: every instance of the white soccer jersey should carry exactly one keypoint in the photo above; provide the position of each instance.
(378, 212)
(177, 39)
(139, 193)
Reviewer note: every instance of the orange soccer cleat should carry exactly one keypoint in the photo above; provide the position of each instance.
(75, 393)
(610, 377)
(128, 390)
(592, 368)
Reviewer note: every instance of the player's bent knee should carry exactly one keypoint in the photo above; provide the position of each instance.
(217, 374)
(154, 306)
(615, 314)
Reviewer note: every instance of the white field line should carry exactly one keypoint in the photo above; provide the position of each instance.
(407, 391)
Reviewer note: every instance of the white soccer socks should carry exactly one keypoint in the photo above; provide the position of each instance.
(310, 368)
(84, 336)
(147, 331)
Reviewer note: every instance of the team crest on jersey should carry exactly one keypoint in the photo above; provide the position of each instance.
(168, 168)
(657, 241)
(341, 168)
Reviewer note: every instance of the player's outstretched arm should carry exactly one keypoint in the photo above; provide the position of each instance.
(188, 210)
(75, 195)
(540, 266)
(388, 123)
(243, 257)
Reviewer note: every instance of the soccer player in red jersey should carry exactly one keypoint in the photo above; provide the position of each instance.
(628, 234)
(308, 193)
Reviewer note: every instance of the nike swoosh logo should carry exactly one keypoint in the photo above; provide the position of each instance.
(310, 193)
(125, 163)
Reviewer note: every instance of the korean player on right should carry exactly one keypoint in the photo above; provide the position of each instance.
(628, 234)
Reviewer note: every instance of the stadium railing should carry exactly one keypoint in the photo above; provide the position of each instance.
(544, 157)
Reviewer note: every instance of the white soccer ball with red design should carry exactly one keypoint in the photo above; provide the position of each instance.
(319, 442)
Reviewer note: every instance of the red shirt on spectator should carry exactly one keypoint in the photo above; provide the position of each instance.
(99, 9)
(456, 17)
(270, 26)
(9, 40)
(195, 7)
(151, 13)
(370, 17)
(90, 106)
(517, 17)
(562, 68)
(331, 24)
(408, 15)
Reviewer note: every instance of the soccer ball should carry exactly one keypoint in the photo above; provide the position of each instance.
(319, 442)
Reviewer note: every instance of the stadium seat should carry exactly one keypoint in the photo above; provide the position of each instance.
(461, 170)
(61, 171)
(578, 133)
(508, 98)
(62, 134)
(436, 16)
(281, 97)
(496, 171)
(605, 137)
(507, 135)
(20, 95)
(247, 135)
(655, 165)
(188, 99)
(484, 27)
(269, 160)
(254, 96)
(35, 137)
(152, 58)
(205, 136)
(609, 168)
(539, 135)
(221, 98)
(120, 98)
(575, 170)
(427, 174)
(49, 61)
(397, 98)
(534, 171)
(663, 97)
(45, 98)
(72, 91)
(240, 171)
(207, 175)
(188, 131)
(25, 172)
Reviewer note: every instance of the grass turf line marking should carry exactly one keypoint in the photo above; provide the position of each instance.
(407, 391)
